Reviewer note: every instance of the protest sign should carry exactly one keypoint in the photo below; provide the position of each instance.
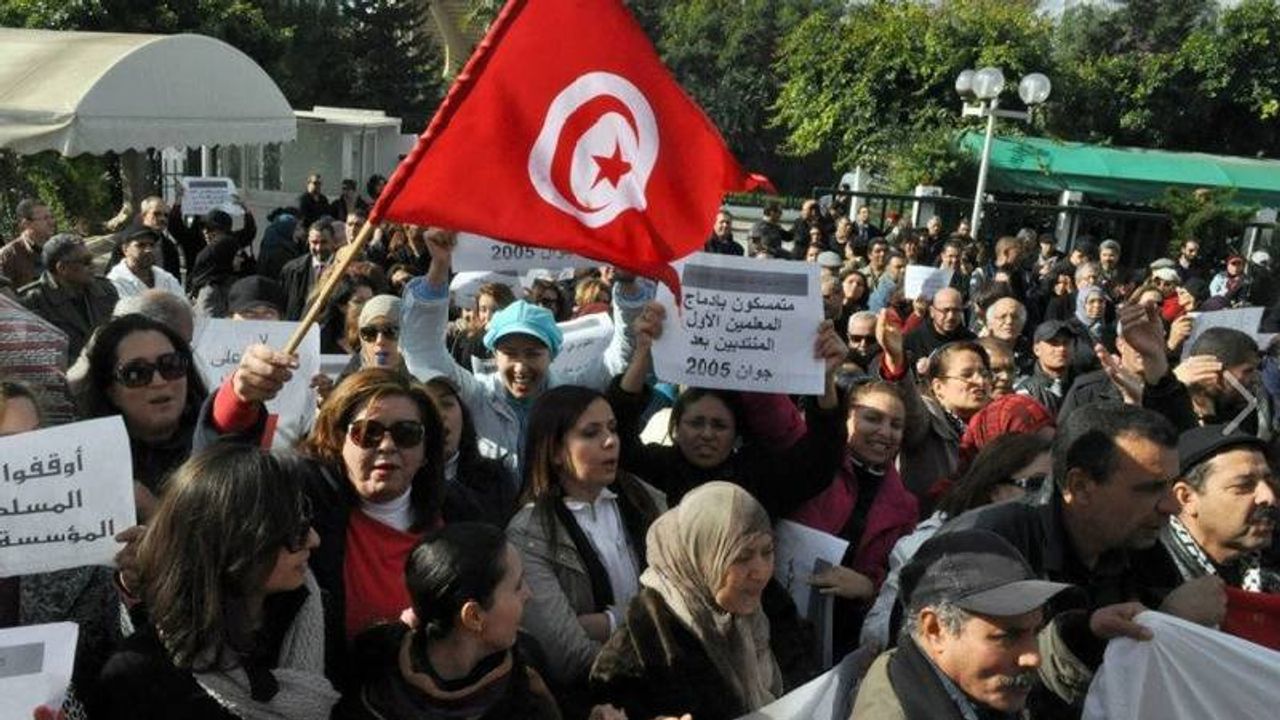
(35, 667)
(64, 494)
(925, 281)
(1184, 672)
(585, 339)
(826, 697)
(333, 364)
(801, 551)
(217, 346)
(477, 252)
(202, 194)
(1246, 320)
(465, 286)
(744, 324)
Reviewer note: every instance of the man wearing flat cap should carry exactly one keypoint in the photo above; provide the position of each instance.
(969, 647)
(1226, 493)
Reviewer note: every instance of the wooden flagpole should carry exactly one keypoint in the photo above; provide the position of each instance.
(330, 283)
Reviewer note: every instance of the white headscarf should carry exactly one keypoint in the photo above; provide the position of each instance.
(690, 548)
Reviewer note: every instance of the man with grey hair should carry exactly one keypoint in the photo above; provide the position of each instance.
(863, 347)
(1006, 318)
(162, 306)
(970, 644)
(68, 294)
(20, 260)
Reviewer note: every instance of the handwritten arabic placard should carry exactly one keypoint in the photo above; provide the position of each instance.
(585, 340)
(64, 494)
(35, 666)
(202, 194)
(745, 324)
(477, 252)
(218, 343)
(925, 281)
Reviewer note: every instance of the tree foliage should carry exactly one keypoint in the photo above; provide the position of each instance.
(396, 66)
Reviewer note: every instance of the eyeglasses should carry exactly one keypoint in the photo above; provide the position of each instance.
(859, 339)
(370, 333)
(980, 376)
(369, 433)
(1031, 483)
(140, 373)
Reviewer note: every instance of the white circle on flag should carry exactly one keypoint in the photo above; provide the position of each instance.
(597, 147)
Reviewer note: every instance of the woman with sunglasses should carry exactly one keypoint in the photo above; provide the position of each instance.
(379, 484)
(231, 623)
(378, 337)
(1009, 468)
(143, 371)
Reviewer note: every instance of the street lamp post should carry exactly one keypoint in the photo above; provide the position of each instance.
(980, 90)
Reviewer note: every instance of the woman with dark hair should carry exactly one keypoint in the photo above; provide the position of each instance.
(234, 624)
(761, 442)
(696, 639)
(351, 291)
(957, 379)
(379, 481)
(477, 488)
(468, 588)
(581, 530)
(1008, 468)
(143, 371)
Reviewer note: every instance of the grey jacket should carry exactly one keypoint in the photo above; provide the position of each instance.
(561, 592)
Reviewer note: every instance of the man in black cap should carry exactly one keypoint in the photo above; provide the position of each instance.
(1113, 468)
(970, 643)
(256, 298)
(1048, 382)
(1227, 515)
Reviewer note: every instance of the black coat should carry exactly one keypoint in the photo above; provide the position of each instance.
(297, 277)
(781, 479)
(653, 665)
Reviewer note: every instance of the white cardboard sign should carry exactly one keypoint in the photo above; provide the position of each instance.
(477, 252)
(35, 667)
(743, 324)
(925, 281)
(202, 194)
(65, 492)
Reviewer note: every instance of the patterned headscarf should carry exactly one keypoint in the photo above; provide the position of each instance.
(1008, 414)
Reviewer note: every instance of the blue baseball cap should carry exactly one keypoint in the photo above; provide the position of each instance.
(525, 318)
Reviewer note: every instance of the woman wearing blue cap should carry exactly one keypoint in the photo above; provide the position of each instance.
(524, 339)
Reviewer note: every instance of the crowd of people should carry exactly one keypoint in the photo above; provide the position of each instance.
(1020, 464)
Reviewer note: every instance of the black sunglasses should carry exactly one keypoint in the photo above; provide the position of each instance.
(140, 373)
(369, 433)
(370, 333)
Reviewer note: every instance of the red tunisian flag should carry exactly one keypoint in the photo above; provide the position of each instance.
(565, 131)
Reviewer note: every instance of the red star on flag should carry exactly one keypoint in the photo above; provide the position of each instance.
(612, 168)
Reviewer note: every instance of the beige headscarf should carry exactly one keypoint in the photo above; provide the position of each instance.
(690, 548)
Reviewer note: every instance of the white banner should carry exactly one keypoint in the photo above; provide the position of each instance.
(477, 252)
(218, 343)
(1185, 672)
(585, 339)
(202, 194)
(745, 324)
(826, 697)
(35, 667)
(925, 281)
(64, 494)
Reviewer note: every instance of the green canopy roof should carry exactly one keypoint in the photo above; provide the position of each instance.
(1120, 174)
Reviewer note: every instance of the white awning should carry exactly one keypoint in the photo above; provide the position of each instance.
(77, 92)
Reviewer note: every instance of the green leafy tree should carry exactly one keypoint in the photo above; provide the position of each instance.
(875, 83)
(396, 63)
(1209, 215)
